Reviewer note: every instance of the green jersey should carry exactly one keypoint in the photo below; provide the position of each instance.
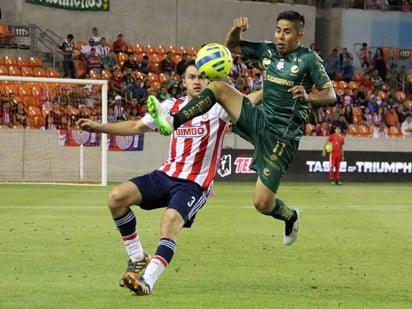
(284, 115)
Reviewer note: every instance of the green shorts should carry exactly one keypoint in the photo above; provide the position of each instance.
(272, 154)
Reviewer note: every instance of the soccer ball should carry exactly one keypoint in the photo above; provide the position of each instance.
(328, 147)
(214, 61)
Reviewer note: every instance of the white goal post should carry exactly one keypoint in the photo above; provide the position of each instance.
(36, 154)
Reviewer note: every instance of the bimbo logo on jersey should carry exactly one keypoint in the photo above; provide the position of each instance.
(197, 131)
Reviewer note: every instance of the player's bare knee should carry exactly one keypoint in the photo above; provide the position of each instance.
(115, 199)
(263, 205)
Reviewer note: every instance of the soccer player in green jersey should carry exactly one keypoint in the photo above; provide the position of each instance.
(289, 71)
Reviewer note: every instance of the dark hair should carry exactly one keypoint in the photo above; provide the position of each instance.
(294, 17)
(188, 64)
(70, 36)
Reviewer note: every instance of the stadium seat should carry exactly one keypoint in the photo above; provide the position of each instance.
(353, 130)
(363, 131)
(394, 131)
(95, 74)
(36, 121)
(23, 90)
(39, 72)
(5, 32)
(79, 45)
(140, 49)
(14, 70)
(139, 75)
(36, 62)
(163, 77)
(23, 62)
(34, 110)
(150, 49)
(51, 72)
(26, 71)
(29, 100)
(174, 50)
(153, 77)
(4, 70)
(155, 85)
(342, 84)
(176, 58)
(353, 85)
(11, 88)
(106, 74)
(10, 60)
(122, 57)
(401, 95)
(357, 115)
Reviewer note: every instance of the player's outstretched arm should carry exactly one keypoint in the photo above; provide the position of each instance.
(324, 96)
(124, 128)
(233, 37)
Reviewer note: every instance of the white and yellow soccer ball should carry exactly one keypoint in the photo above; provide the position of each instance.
(329, 147)
(214, 61)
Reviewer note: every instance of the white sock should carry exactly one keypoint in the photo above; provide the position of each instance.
(155, 268)
(133, 247)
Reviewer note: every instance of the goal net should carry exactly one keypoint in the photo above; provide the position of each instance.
(39, 141)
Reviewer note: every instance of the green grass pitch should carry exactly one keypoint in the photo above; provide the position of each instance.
(59, 248)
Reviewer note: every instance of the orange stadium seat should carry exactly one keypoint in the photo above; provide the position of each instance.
(27, 71)
(23, 90)
(353, 85)
(342, 84)
(106, 74)
(36, 121)
(51, 72)
(79, 45)
(394, 131)
(39, 72)
(29, 100)
(176, 58)
(353, 130)
(4, 70)
(401, 95)
(153, 77)
(95, 74)
(11, 88)
(140, 48)
(23, 62)
(36, 62)
(10, 60)
(357, 115)
(163, 77)
(363, 130)
(5, 32)
(14, 70)
(175, 50)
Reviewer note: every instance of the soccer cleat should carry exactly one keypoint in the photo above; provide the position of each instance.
(162, 118)
(292, 229)
(135, 268)
(137, 285)
(338, 183)
(332, 182)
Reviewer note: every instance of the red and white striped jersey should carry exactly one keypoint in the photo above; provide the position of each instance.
(195, 147)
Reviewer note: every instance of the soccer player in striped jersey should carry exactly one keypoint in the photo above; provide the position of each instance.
(289, 72)
(181, 185)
